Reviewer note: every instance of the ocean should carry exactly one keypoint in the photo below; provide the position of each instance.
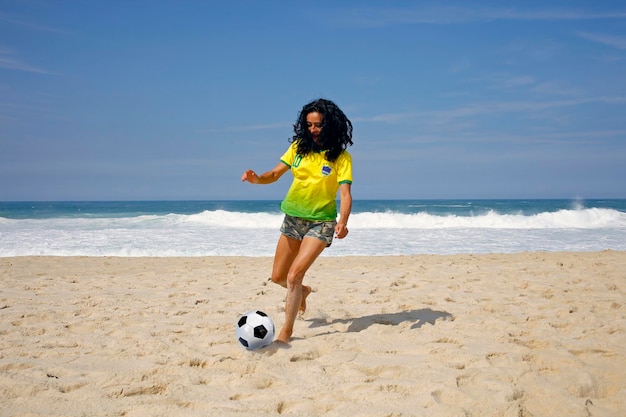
(250, 228)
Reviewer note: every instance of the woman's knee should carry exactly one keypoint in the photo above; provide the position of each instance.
(294, 278)
(279, 279)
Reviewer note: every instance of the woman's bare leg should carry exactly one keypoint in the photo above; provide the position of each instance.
(310, 249)
(286, 251)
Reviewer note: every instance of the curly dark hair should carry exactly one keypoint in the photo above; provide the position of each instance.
(336, 134)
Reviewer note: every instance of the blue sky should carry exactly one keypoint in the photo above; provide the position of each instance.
(136, 100)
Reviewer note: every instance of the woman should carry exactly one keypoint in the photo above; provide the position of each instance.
(321, 166)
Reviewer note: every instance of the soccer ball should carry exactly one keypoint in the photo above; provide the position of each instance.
(255, 330)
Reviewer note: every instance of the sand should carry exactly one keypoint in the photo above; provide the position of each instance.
(529, 334)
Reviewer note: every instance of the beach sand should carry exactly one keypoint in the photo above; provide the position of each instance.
(528, 334)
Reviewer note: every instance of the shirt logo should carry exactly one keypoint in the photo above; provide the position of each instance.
(326, 170)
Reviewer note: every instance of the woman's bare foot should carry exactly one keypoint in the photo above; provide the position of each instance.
(283, 337)
(306, 290)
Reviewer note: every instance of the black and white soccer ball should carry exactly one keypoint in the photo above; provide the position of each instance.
(255, 330)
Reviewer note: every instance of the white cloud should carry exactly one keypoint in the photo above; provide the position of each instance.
(608, 40)
(476, 109)
(14, 64)
(8, 61)
(249, 128)
(378, 17)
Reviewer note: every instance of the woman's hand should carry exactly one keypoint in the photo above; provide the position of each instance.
(250, 176)
(341, 230)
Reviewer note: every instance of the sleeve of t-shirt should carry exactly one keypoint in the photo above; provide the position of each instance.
(344, 168)
(288, 156)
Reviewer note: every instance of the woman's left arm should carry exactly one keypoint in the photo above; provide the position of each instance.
(345, 208)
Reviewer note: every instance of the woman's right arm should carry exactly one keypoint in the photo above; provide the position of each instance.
(266, 177)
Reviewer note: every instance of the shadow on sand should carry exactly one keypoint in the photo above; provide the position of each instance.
(420, 317)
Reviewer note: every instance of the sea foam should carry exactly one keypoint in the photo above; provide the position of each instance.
(235, 233)
(582, 218)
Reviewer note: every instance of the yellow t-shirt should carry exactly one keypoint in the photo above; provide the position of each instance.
(313, 192)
